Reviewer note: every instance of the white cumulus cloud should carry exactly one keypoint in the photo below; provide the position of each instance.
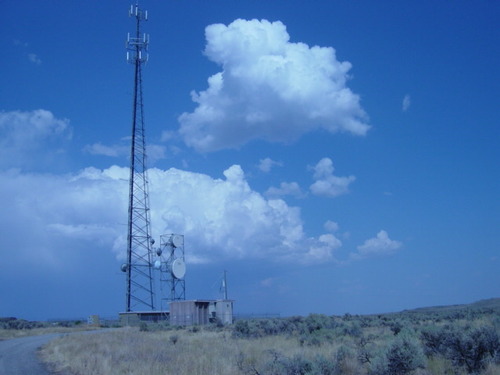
(100, 149)
(154, 152)
(29, 138)
(286, 188)
(379, 245)
(269, 88)
(266, 164)
(323, 248)
(226, 218)
(327, 184)
(331, 226)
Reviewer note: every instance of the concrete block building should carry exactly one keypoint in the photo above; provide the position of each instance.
(200, 312)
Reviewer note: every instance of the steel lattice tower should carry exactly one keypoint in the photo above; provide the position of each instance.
(139, 270)
(172, 269)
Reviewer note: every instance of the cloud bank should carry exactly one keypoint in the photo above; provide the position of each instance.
(269, 88)
(221, 218)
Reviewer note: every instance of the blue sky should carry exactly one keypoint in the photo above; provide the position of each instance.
(333, 157)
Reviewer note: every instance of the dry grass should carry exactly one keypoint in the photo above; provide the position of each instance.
(442, 366)
(203, 350)
(492, 369)
(129, 351)
(6, 334)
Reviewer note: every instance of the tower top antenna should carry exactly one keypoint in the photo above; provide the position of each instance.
(137, 45)
(135, 11)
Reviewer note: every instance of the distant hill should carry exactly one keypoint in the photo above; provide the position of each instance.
(491, 304)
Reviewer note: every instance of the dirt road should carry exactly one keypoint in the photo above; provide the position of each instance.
(18, 356)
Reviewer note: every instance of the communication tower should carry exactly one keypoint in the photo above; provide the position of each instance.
(139, 267)
(172, 268)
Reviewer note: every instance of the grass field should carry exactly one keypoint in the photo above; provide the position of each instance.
(431, 342)
(130, 351)
(6, 334)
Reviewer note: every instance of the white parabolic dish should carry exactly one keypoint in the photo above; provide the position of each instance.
(177, 240)
(178, 268)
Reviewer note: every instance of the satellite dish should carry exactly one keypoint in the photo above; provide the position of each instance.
(157, 264)
(152, 241)
(178, 268)
(177, 240)
(124, 267)
(158, 251)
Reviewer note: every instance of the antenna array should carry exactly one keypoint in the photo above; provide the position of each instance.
(172, 268)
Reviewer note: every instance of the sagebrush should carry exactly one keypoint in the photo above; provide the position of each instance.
(420, 343)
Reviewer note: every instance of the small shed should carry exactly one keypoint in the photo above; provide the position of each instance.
(200, 312)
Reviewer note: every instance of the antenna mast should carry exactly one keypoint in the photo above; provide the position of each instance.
(139, 290)
(224, 285)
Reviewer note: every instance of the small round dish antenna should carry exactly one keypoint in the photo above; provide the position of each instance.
(157, 264)
(124, 267)
(177, 240)
(178, 268)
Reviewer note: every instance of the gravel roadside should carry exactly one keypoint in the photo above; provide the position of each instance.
(19, 356)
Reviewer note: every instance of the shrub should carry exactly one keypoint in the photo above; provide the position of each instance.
(473, 349)
(19, 324)
(403, 356)
(241, 329)
(434, 340)
(315, 322)
(278, 364)
(396, 327)
(322, 366)
(195, 328)
(365, 346)
(310, 340)
(269, 327)
(173, 339)
(316, 338)
(296, 365)
(347, 363)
